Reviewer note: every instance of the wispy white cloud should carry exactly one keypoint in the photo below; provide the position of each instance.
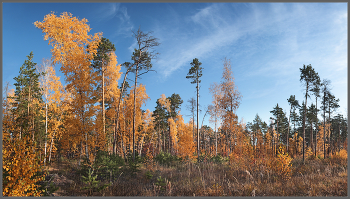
(107, 11)
(274, 39)
(124, 23)
(118, 12)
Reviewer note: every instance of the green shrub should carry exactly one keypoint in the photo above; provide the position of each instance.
(149, 175)
(167, 159)
(217, 159)
(160, 183)
(92, 184)
(133, 166)
(107, 165)
(85, 166)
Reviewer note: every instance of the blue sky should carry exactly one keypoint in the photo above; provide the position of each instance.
(267, 43)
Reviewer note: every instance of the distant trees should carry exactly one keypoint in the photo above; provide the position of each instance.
(258, 129)
(280, 122)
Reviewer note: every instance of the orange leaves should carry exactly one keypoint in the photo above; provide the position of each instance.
(68, 35)
(164, 102)
(112, 75)
(185, 144)
(126, 116)
(283, 165)
(73, 47)
(21, 165)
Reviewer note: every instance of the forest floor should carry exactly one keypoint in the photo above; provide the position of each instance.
(314, 178)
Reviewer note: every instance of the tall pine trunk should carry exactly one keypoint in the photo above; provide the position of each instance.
(198, 150)
(316, 131)
(134, 116)
(290, 112)
(103, 106)
(307, 88)
(117, 118)
(311, 137)
(324, 126)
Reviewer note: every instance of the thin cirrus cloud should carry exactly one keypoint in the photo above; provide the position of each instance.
(116, 11)
(216, 28)
(283, 32)
(107, 11)
(182, 52)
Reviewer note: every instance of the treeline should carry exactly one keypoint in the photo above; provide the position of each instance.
(322, 136)
(44, 121)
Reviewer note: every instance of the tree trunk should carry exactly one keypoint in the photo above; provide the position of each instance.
(329, 119)
(45, 134)
(198, 150)
(311, 137)
(150, 143)
(86, 145)
(28, 111)
(324, 126)
(81, 150)
(307, 87)
(118, 110)
(276, 142)
(316, 131)
(216, 139)
(51, 146)
(134, 116)
(159, 141)
(290, 112)
(103, 105)
(141, 143)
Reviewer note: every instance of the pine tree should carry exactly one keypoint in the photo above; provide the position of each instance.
(100, 63)
(142, 57)
(308, 76)
(195, 73)
(27, 93)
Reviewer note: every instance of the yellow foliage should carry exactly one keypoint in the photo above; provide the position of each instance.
(112, 75)
(20, 166)
(185, 144)
(165, 102)
(282, 165)
(320, 137)
(308, 152)
(74, 48)
(342, 153)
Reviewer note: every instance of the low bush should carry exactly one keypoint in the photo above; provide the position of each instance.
(107, 165)
(167, 159)
(218, 159)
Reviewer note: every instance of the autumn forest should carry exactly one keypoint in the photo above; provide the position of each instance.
(86, 134)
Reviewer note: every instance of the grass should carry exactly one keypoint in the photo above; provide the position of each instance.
(314, 178)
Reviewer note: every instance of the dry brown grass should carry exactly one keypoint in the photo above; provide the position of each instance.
(314, 178)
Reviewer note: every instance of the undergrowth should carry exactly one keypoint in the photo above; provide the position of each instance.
(167, 175)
